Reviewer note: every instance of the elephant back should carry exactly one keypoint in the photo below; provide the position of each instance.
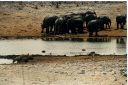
(95, 25)
(90, 17)
(49, 21)
(121, 18)
(90, 12)
(105, 19)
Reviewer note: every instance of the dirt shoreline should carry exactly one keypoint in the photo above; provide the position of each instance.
(82, 70)
(61, 37)
(58, 56)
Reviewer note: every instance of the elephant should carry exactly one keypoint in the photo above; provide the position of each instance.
(89, 17)
(121, 20)
(72, 23)
(21, 59)
(75, 25)
(90, 12)
(95, 26)
(106, 21)
(58, 26)
(61, 25)
(48, 23)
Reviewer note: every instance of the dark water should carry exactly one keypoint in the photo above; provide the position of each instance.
(74, 46)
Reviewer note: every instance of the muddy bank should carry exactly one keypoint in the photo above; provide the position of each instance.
(53, 59)
(57, 37)
(41, 57)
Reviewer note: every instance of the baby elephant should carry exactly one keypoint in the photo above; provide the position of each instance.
(106, 21)
(121, 20)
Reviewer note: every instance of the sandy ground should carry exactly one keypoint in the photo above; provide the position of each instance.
(26, 21)
(79, 70)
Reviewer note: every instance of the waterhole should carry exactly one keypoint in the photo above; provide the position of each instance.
(60, 46)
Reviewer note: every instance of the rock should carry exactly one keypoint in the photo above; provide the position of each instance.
(43, 51)
(115, 79)
(82, 72)
(83, 49)
(93, 54)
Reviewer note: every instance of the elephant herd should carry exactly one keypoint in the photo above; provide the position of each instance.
(74, 23)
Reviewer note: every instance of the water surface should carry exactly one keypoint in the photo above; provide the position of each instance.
(6, 61)
(103, 46)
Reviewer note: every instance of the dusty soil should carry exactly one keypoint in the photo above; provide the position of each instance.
(25, 20)
(79, 70)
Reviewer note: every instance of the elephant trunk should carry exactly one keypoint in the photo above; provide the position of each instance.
(42, 26)
(110, 22)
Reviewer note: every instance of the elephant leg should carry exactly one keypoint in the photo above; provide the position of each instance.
(90, 34)
(51, 28)
(47, 30)
(86, 24)
(42, 28)
(42, 31)
(73, 30)
(55, 29)
(103, 27)
(14, 61)
(108, 25)
(67, 30)
(122, 26)
(26, 60)
(18, 61)
(81, 30)
(96, 34)
(117, 25)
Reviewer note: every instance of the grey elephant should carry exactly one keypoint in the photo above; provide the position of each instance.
(89, 17)
(95, 26)
(75, 25)
(106, 21)
(48, 23)
(60, 26)
(121, 20)
(90, 12)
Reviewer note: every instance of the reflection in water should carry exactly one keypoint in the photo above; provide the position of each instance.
(63, 39)
(64, 46)
(77, 39)
(121, 43)
(121, 40)
(98, 39)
